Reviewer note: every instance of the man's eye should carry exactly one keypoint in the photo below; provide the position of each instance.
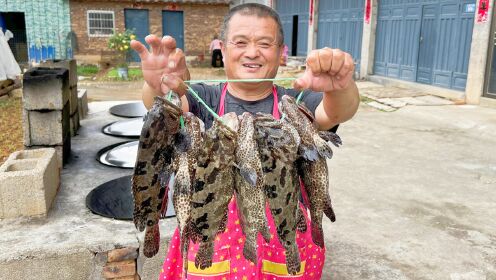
(264, 45)
(240, 44)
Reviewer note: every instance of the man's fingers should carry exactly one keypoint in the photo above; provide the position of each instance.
(348, 66)
(303, 82)
(325, 57)
(140, 49)
(313, 62)
(176, 60)
(154, 43)
(338, 59)
(168, 45)
(174, 83)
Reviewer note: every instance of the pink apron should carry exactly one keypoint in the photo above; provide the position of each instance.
(228, 260)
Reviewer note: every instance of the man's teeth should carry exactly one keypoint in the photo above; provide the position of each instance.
(252, 65)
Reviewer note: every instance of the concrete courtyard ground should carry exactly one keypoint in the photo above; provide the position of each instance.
(413, 187)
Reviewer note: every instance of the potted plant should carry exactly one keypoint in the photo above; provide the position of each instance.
(120, 43)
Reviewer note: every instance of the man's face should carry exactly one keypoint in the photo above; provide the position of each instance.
(251, 50)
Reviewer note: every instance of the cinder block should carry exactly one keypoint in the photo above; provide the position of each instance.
(74, 124)
(82, 103)
(45, 89)
(46, 128)
(73, 100)
(119, 269)
(69, 64)
(63, 152)
(29, 181)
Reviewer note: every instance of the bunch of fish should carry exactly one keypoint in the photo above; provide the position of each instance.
(212, 166)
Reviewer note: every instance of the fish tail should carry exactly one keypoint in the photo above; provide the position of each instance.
(328, 211)
(317, 235)
(250, 251)
(152, 241)
(223, 223)
(204, 255)
(301, 223)
(322, 146)
(184, 248)
(293, 261)
(265, 233)
(332, 137)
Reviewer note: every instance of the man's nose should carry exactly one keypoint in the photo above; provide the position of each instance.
(252, 50)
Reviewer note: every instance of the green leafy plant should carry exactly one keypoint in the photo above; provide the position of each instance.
(120, 43)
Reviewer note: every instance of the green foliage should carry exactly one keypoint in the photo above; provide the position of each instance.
(120, 43)
(87, 70)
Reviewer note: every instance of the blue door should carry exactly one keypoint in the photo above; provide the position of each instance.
(173, 25)
(340, 26)
(138, 22)
(427, 41)
(428, 38)
(294, 16)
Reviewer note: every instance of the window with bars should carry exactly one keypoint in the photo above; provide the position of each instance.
(100, 23)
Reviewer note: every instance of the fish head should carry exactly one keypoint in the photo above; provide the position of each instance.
(246, 127)
(288, 107)
(229, 125)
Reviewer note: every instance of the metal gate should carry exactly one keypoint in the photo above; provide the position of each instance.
(426, 41)
(173, 25)
(294, 16)
(340, 26)
(137, 20)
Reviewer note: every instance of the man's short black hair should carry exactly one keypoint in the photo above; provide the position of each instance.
(252, 9)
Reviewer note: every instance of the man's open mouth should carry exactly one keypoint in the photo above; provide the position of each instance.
(252, 65)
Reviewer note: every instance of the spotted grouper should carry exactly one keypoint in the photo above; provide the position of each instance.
(278, 149)
(153, 168)
(185, 164)
(214, 186)
(249, 187)
(311, 165)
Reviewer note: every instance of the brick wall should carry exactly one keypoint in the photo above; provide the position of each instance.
(201, 22)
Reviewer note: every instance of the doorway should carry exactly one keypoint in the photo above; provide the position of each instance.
(138, 21)
(173, 25)
(15, 22)
(294, 37)
(491, 63)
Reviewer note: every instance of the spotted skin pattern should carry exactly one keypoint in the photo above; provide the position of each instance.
(278, 146)
(314, 170)
(213, 186)
(154, 167)
(250, 193)
(185, 164)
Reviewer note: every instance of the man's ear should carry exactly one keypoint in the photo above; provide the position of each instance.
(222, 49)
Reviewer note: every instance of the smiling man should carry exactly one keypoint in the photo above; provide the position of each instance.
(252, 44)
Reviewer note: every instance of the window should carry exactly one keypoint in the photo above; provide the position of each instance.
(100, 23)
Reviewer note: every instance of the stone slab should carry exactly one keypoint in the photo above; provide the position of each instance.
(82, 103)
(381, 106)
(29, 181)
(393, 102)
(45, 89)
(46, 128)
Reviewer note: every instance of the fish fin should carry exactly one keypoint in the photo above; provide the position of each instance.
(204, 255)
(308, 152)
(249, 174)
(328, 211)
(293, 261)
(317, 235)
(322, 146)
(301, 223)
(185, 247)
(182, 141)
(250, 251)
(332, 137)
(152, 241)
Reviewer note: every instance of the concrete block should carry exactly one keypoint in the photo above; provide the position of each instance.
(29, 181)
(122, 254)
(46, 128)
(119, 269)
(69, 64)
(65, 265)
(74, 124)
(45, 89)
(73, 100)
(63, 151)
(82, 103)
